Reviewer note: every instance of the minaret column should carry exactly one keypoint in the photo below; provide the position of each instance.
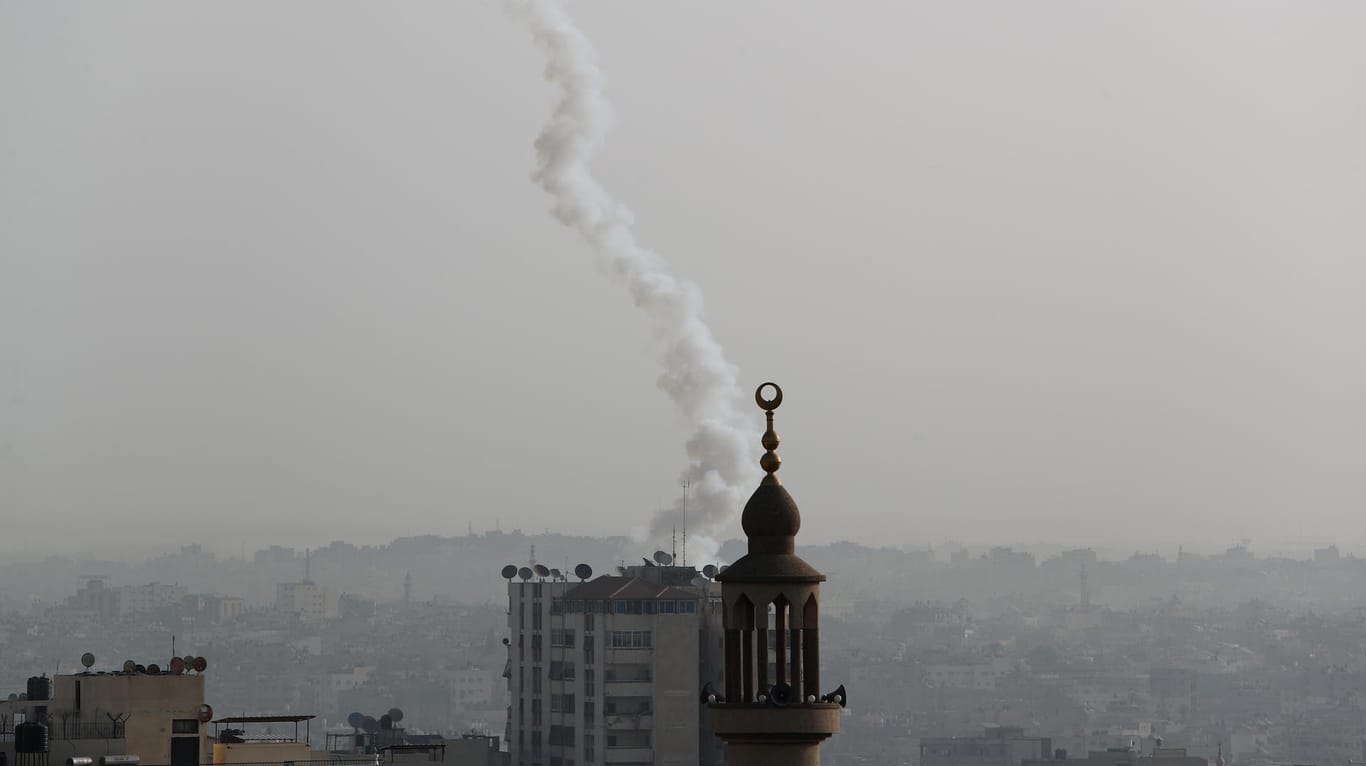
(776, 719)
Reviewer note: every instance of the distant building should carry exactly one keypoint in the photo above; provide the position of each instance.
(311, 601)
(999, 746)
(610, 670)
(97, 596)
(985, 675)
(1162, 756)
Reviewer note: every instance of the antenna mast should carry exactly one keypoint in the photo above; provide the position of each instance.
(684, 562)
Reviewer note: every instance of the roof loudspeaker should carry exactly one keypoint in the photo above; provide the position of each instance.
(781, 695)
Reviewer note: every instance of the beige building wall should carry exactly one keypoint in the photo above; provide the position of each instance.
(152, 704)
(260, 752)
(676, 691)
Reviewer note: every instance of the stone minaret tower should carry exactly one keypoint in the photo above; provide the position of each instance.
(773, 711)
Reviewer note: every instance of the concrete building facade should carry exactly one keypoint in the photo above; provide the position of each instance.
(609, 671)
(155, 716)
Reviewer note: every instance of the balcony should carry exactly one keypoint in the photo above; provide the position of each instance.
(630, 688)
(630, 722)
(629, 755)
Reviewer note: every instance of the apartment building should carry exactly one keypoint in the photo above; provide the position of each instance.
(610, 670)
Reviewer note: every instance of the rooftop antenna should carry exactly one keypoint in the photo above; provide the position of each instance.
(684, 561)
(533, 554)
(674, 543)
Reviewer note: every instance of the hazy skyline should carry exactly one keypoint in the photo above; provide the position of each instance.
(1075, 272)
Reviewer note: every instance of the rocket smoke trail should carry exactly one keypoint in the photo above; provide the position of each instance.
(696, 375)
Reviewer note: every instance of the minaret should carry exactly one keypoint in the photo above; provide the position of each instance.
(779, 720)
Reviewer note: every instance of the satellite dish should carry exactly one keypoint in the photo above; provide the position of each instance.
(13, 697)
(154, 669)
(583, 571)
(189, 660)
(709, 571)
(723, 568)
(385, 722)
(542, 570)
(140, 668)
(663, 559)
(199, 664)
(395, 714)
(369, 724)
(555, 573)
(524, 573)
(355, 720)
(129, 666)
(509, 572)
(205, 713)
(177, 665)
(87, 660)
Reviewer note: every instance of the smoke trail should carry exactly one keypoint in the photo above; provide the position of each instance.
(695, 375)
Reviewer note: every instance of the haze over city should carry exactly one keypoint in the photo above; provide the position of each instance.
(1077, 273)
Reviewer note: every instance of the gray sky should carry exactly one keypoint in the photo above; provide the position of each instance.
(1075, 271)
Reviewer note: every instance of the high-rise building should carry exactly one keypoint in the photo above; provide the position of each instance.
(610, 670)
(772, 711)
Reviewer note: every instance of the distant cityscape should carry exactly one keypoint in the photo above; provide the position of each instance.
(953, 656)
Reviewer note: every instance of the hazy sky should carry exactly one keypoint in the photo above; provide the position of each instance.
(1076, 271)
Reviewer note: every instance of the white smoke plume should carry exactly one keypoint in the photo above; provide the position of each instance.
(695, 374)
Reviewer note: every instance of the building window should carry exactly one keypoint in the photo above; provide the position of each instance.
(666, 607)
(631, 639)
(562, 703)
(687, 607)
(562, 637)
(185, 726)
